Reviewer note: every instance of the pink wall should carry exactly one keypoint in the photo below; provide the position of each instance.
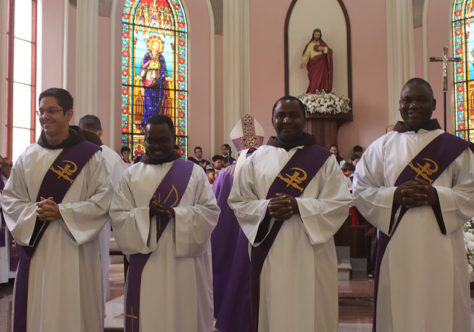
(419, 57)
(369, 75)
(103, 77)
(219, 97)
(369, 67)
(52, 44)
(267, 21)
(199, 114)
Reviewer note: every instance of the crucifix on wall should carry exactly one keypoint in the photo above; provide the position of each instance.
(445, 59)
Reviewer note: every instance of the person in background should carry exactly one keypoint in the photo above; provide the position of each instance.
(227, 155)
(211, 175)
(335, 151)
(218, 163)
(125, 153)
(198, 159)
(358, 150)
(355, 159)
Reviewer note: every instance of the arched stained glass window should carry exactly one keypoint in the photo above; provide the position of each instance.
(154, 69)
(463, 46)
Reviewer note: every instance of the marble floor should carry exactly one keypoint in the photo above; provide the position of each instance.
(355, 304)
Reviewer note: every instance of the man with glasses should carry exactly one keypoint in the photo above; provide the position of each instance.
(55, 203)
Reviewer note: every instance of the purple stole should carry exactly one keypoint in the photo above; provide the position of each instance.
(2, 221)
(292, 180)
(169, 191)
(427, 165)
(56, 183)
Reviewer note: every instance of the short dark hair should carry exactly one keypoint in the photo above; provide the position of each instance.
(357, 148)
(217, 157)
(354, 157)
(210, 170)
(229, 149)
(161, 119)
(419, 81)
(348, 167)
(335, 145)
(291, 98)
(197, 148)
(90, 122)
(63, 97)
(124, 148)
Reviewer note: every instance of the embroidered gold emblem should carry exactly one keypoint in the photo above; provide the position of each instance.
(172, 195)
(425, 171)
(294, 179)
(65, 172)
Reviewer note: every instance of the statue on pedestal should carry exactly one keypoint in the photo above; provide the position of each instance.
(317, 58)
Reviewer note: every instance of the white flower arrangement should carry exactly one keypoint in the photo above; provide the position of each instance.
(325, 103)
(469, 243)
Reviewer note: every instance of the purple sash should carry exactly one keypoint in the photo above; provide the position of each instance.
(292, 180)
(2, 221)
(427, 165)
(56, 183)
(169, 192)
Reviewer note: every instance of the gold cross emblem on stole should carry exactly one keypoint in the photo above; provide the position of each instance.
(132, 317)
(173, 193)
(65, 172)
(425, 171)
(294, 179)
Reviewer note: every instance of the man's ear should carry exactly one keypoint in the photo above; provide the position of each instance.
(69, 114)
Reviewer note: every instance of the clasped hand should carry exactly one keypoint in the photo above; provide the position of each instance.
(159, 209)
(47, 209)
(282, 207)
(415, 193)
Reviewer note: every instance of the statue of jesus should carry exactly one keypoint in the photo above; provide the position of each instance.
(317, 58)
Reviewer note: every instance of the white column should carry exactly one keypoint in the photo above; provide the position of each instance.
(65, 44)
(212, 63)
(115, 31)
(400, 51)
(236, 63)
(85, 99)
(3, 63)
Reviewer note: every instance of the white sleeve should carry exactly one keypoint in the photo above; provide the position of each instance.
(324, 214)
(249, 209)
(85, 218)
(373, 200)
(19, 209)
(195, 222)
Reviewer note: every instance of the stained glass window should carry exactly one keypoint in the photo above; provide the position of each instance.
(154, 69)
(463, 46)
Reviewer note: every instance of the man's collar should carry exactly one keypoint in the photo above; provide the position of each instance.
(401, 127)
(305, 139)
(172, 157)
(75, 137)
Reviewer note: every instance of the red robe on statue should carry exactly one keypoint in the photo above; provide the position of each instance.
(320, 69)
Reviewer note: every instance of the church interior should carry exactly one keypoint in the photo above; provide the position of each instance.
(219, 60)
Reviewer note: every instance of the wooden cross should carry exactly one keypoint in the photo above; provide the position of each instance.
(132, 317)
(445, 59)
